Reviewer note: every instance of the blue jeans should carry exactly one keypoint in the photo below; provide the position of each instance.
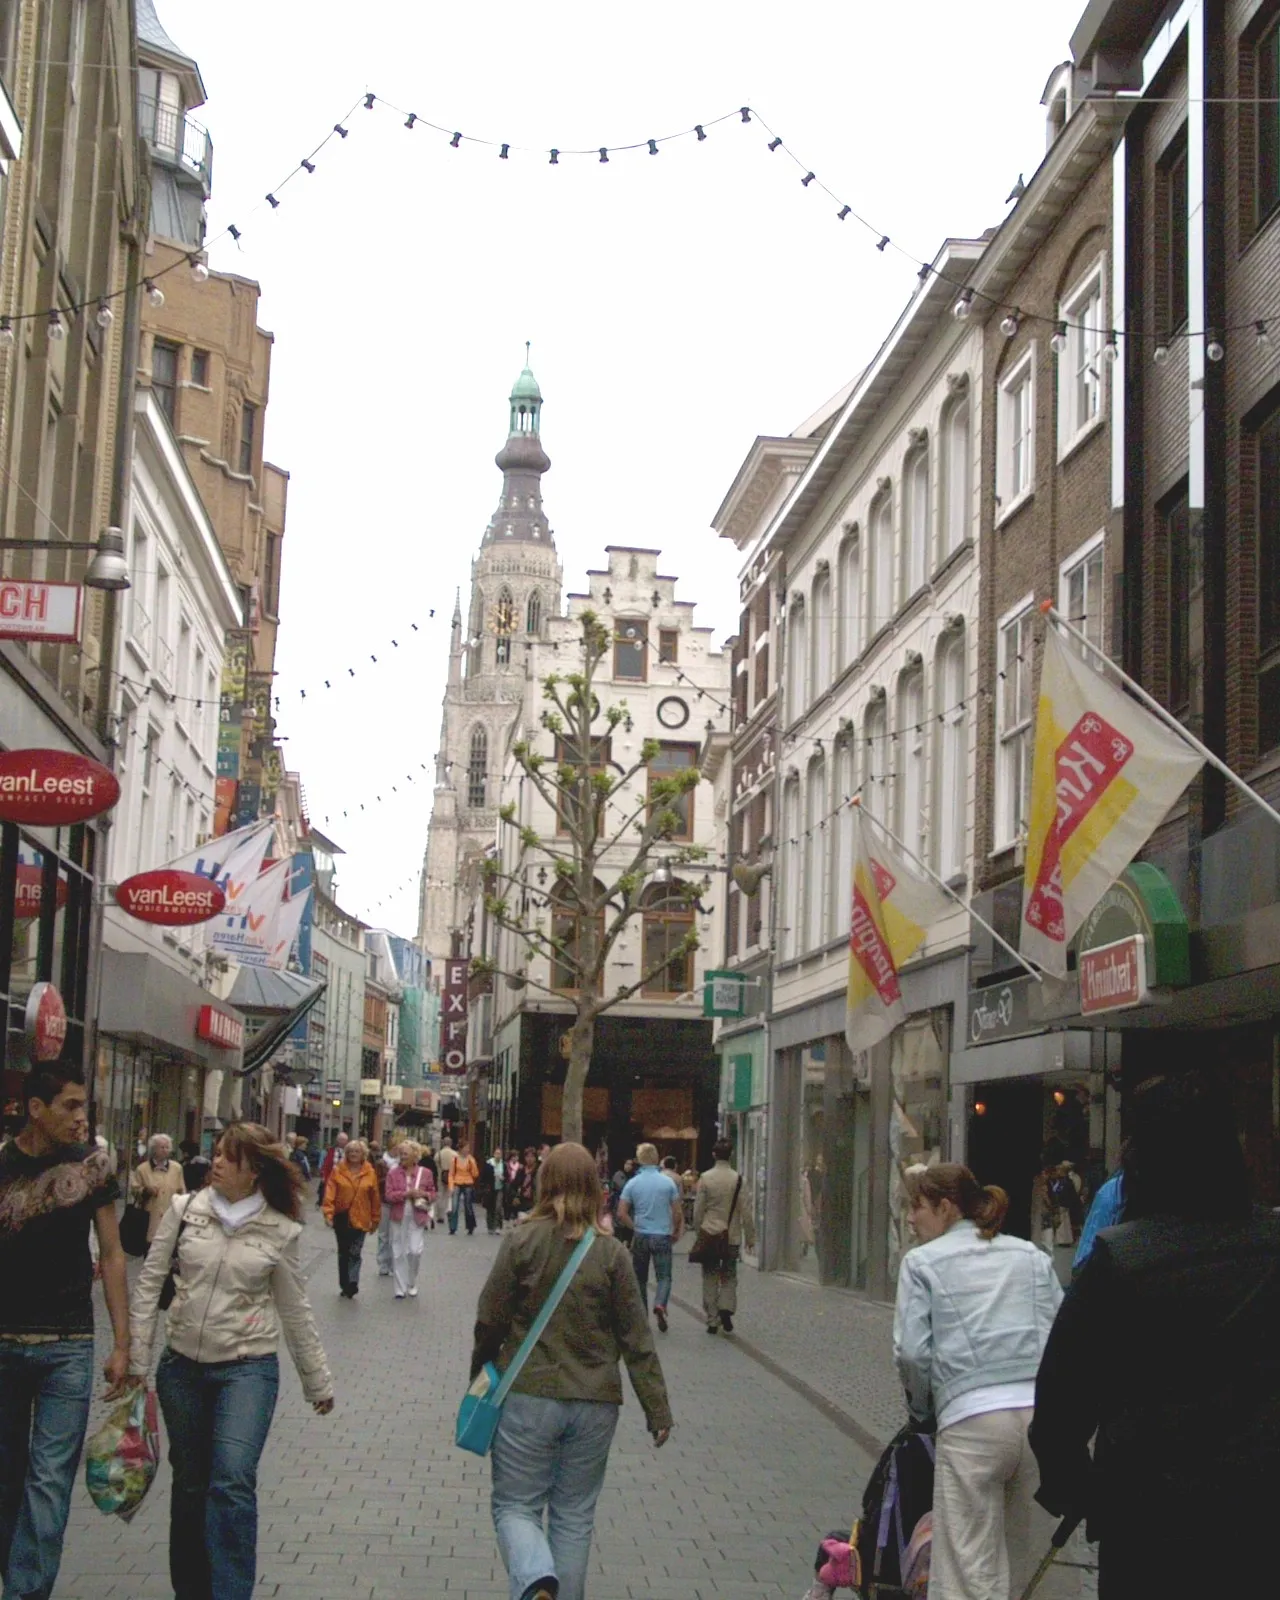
(217, 1415)
(655, 1247)
(549, 1456)
(45, 1391)
(463, 1197)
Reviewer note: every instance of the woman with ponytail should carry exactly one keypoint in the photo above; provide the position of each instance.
(973, 1316)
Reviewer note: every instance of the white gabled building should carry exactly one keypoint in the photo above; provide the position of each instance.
(152, 1060)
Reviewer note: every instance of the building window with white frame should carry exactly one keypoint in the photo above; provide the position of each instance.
(842, 844)
(1080, 591)
(915, 489)
(823, 670)
(815, 839)
(1015, 435)
(950, 763)
(797, 659)
(909, 810)
(875, 764)
(849, 572)
(881, 587)
(789, 890)
(955, 474)
(1080, 366)
(1014, 725)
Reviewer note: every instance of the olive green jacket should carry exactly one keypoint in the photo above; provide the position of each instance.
(600, 1321)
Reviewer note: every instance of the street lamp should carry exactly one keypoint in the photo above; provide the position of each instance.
(107, 570)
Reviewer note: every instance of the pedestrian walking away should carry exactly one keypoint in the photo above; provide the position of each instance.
(155, 1181)
(54, 1187)
(1166, 1353)
(444, 1165)
(382, 1162)
(650, 1204)
(973, 1314)
(463, 1173)
(495, 1185)
(353, 1210)
(233, 1249)
(551, 1449)
(410, 1194)
(328, 1161)
(719, 1214)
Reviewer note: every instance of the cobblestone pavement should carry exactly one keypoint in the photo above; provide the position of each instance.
(375, 1499)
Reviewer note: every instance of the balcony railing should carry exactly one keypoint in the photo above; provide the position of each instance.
(164, 662)
(175, 138)
(140, 625)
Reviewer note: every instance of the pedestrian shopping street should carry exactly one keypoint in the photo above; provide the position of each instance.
(376, 1500)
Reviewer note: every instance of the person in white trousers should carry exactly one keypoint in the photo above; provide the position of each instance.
(385, 1161)
(411, 1193)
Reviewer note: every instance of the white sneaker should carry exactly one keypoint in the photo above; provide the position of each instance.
(413, 1293)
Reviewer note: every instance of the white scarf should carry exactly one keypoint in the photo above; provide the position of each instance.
(234, 1214)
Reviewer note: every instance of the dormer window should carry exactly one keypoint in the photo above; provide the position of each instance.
(1056, 100)
(160, 110)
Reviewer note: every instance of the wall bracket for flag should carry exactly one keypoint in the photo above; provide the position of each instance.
(946, 888)
(1171, 722)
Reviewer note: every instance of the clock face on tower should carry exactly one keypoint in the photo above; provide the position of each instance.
(672, 712)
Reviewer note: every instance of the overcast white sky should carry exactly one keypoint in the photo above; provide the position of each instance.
(678, 305)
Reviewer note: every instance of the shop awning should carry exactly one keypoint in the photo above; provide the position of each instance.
(264, 1043)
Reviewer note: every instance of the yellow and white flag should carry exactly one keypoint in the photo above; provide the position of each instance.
(1104, 776)
(893, 908)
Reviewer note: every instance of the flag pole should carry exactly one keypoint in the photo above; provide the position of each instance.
(1167, 717)
(948, 890)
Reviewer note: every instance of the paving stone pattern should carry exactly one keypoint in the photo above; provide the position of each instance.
(376, 1501)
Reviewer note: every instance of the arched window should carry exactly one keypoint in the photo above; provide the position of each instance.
(909, 822)
(797, 660)
(875, 762)
(789, 889)
(668, 920)
(477, 768)
(950, 762)
(504, 623)
(815, 851)
(823, 670)
(881, 586)
(576, 935)
(533, 614)
(955, 477)
(842, 877)
(849, 583)
(915, 565)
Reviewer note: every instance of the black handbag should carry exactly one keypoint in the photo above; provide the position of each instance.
(714, 1249)
(133, 1229)
(170, 1285)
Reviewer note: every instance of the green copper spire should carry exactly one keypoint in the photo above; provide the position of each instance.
(526, 400)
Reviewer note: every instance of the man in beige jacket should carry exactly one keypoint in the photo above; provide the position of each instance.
(720, 1204)
(156, 1181)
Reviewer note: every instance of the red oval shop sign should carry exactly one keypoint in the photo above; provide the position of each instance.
(46, 1023)
(53, 787)
(28, 891)
(173, 899)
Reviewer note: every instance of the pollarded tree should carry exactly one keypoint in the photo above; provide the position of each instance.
(610, 823)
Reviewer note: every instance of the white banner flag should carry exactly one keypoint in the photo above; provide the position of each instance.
(245, 934)
(232, 862)
(287, 922)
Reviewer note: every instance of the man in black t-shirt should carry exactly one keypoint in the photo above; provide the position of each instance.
(53, 1186)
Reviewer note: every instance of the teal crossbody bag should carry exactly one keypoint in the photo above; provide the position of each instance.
(481, 1408)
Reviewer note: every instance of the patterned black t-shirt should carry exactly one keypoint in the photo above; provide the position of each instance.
(46, 1209)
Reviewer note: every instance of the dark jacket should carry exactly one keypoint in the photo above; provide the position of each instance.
(1168, 1345)
(600, 1320)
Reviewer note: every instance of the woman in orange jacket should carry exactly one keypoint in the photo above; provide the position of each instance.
(352, 1209)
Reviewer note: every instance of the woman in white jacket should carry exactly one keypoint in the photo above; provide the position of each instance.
(237, 1287)
(973, 1316)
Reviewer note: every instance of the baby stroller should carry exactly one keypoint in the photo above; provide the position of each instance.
(886, 1557)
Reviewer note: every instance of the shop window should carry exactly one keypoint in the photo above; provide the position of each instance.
(670, 761)
(576, 935)
(668, 920)
(668, 646)
(630, 650)
(917, 1058)
(477, 769)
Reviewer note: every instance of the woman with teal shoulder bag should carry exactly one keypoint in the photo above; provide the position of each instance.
(559, 1413)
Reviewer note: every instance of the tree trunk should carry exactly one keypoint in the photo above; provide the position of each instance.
(581, 1038)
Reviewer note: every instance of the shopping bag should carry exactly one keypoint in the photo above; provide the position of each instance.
(133, 1230)
(121, 1459)
(480, 1413)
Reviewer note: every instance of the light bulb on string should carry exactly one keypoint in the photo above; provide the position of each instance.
(963, 306)
(155, 294)
(56, 330)
(1262, 339)
(1010, 323)
(104, 316)
(1160, 355)
(1058, 342)
(199, 268)
(6, 333)
(1214, 350)
(1111, 349)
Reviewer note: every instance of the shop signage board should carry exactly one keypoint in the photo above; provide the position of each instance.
(1114, 976)
(219, 1028)
(45, 1023)
(453, 1015)
(30, 609)
(170, 898)
(724, 994)
(1000, 1011)
(52, 788)
(28, 891)
(333, 1086)
(1143, 904)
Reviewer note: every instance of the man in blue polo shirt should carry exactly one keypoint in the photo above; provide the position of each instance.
(650, 1204)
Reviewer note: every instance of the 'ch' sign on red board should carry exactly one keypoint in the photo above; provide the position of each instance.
(171, 898)
(51, 788)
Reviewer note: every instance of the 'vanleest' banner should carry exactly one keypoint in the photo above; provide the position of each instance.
(893, 909)
(1104, 776)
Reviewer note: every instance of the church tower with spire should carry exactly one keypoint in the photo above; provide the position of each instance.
(515, 587)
